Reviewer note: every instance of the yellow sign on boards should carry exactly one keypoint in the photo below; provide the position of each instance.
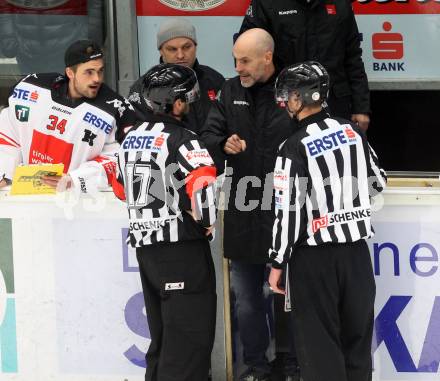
(27, 178)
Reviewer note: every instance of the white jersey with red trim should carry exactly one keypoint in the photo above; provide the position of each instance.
(42, 125)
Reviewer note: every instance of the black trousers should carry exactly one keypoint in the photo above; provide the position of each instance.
(333, 291)
(178, 281)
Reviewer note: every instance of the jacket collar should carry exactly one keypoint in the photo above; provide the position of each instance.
(60, 91)
(314, 118)
(162, 118)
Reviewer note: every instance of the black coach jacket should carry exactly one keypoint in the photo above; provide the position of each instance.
(210, 82)
(252, 114)
(319, 30)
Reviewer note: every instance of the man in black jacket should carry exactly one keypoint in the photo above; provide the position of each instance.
(324, 31)
(246, 128)
(177, 44)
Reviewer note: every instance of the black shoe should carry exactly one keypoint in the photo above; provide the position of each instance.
(252, 374)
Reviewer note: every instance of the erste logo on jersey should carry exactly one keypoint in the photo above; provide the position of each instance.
(145, 140)
(340, 217)
(25, 95)
(97, 122)
(199, 156)
(317, 146)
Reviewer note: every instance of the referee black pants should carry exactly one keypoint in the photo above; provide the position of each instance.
(178, 282)
(333, 291)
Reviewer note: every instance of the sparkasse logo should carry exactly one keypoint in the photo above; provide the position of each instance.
(387, 46)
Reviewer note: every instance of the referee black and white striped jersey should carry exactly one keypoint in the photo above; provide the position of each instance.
(325, 175)
(165, 174)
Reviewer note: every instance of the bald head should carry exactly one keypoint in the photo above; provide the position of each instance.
(253, 53)
(256, 39)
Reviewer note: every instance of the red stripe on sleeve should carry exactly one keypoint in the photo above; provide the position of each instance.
(109, 167)
(199, 178)
(118, 189)
(8, 141)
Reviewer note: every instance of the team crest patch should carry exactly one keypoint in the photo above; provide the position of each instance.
(37, 4)
(192, 5)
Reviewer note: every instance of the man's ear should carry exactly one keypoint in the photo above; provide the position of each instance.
(178, 106)
(268, 57)
(69, 72)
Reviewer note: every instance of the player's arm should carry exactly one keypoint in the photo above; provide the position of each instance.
(100, 172)
(200, 173)
(290, 184)
(118, 182)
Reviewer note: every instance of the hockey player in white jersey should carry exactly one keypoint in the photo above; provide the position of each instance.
(168, 179)
(70, 119)
(325, 176)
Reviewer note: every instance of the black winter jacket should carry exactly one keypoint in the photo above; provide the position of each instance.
(210, 82)
(252, 114)
(320, 30)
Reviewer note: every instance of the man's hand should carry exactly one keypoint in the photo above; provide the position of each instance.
(362, 120)
(3, 183)
(209, 230)
(234, 145)
(60, 183)
(274, 280)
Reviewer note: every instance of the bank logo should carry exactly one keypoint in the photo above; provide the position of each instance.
(192, 5)
(8, 332)
(388, 47)
(37, 4)
(22, 113)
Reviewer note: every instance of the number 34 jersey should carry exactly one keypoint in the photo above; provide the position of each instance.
(168, 180)
(42, 125)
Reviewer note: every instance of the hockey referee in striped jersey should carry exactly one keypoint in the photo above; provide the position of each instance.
(325, 176)
(168, 178)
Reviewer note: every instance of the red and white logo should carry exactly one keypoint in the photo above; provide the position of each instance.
(212, 95)
(37, 4)
(280, 180)
(350, 134)
(34, 96)
(331, 9)
(387, 46)
(158, 142)
(319, 223)
(192, 5)
(49, 149)
(197, 157)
